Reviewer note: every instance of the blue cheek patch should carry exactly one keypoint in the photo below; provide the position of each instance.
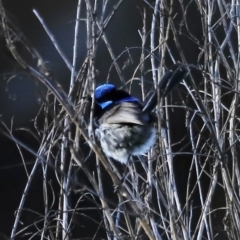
(101, 90)
(105, 104)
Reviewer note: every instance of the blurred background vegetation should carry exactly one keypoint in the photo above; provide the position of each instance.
(203, 34)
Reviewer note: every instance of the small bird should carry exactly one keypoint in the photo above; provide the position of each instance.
(123, 125)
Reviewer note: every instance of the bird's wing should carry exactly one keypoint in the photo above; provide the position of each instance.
(125, 112)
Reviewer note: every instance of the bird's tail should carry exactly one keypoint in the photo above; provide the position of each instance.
(170, 80)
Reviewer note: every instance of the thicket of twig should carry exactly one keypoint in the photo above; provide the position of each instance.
(148, 204)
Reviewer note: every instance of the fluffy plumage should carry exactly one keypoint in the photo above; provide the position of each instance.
(124, 131)
(122, 124)
(121, 127)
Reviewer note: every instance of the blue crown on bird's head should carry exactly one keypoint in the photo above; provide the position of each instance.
(103, 89)
(107, 95)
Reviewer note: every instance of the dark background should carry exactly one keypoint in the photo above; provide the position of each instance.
(20, 97)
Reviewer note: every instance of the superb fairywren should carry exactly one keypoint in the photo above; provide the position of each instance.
(123, 125)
